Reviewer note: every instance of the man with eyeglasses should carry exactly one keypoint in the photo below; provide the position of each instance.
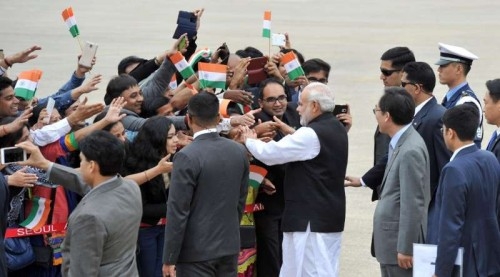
(454, 64)
(273, 102)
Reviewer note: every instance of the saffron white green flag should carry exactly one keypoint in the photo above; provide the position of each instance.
(70, 20)
(266, 28)
(292, 65)
(27, 83)
(256, 176)
(212, 75)
(182, 66)
(38, 215)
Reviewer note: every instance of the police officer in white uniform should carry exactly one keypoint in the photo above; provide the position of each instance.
(454, 65)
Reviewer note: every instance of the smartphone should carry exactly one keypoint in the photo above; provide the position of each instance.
(255, 70)
(88, 54)
(12, 155)
(2, 56)
(339, 109)
(278, 40)
(182, 43)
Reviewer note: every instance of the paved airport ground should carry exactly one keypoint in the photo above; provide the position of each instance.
(350, 35)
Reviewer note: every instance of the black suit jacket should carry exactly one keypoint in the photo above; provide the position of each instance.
(207, 195)
(274, 204)
(428, 123)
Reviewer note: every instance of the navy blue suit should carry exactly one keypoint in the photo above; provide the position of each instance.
(465, 214)
(495, 148)
(428, 123)
(465, 91)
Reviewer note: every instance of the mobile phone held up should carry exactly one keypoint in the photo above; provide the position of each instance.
(88, 54)
(12, 155)
(339, 109)
(182, 44)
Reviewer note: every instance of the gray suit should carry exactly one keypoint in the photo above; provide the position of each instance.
(205, 203)
(102, 230)
(400, 218)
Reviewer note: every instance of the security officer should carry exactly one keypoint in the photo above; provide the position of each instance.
(454, 65)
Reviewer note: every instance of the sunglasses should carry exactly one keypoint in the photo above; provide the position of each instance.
(403, 84)
(388, 72)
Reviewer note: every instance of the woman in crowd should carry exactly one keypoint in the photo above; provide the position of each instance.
(156, 140)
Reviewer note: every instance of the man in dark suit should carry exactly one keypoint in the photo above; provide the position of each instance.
(419, 80)
(316, 158)
(466, 200)
(272, 100)
(102, 232)
(492, 114)
(206, 200)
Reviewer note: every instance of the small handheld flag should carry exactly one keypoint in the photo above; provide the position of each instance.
(292, 65)
(212, 75)
(70, 20)
(182, 66)
(27, 83)
(266, 28)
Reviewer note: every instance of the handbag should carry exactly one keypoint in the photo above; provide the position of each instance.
(18, 251)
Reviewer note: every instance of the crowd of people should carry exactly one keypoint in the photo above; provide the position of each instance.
(158, 179)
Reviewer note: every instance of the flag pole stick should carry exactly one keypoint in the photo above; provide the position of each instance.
(79, 42)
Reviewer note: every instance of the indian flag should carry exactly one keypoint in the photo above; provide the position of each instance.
(27, 83)
(257, 175)
(70, 20)
(212, 75)
(292, 65)
(198, 55)
(266, 28)
(181, 65)
(173, 83)
(38, 215)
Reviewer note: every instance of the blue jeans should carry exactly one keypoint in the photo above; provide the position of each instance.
(150, 251)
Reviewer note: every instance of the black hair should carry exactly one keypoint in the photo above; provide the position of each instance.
(300, 57)
(204, 106)
(249, 51)
(104, 149)
(100, 117)
(421, 73)
(463, 119)
(316, 65)
(399, 56)
(266, 82)
(122, 66)
(399, 104)
(36, 113)
(117, 86)
(493, 87)
(5, 82)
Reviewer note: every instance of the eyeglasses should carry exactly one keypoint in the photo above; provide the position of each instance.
(272, 100)
(314, 79)
(403, 83)
(388, 72)
(375, 110)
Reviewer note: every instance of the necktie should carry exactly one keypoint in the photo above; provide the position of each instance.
(492, 141)
(445, 99)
